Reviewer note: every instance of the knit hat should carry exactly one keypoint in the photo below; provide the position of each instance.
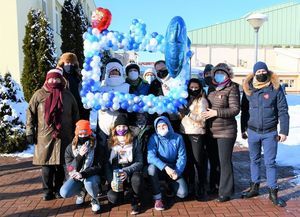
(121, 120)
(208, 68)
(260, 65)
(132, 66)
(112, 64)
(83, 126)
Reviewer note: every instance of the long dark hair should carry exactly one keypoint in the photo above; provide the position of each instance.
(201, 93)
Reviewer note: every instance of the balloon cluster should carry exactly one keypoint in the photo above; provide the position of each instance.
(98, 40)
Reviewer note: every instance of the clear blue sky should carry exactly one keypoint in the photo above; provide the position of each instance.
(196, 13)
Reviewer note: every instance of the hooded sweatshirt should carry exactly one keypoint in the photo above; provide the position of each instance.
(168, 150)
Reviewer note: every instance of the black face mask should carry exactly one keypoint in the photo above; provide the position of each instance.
(69, 69)
(162, 73)
(82, 140)
(194, 92)
(262, 77)
(207, 80)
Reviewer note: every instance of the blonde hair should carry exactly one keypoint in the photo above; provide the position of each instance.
(113, 140)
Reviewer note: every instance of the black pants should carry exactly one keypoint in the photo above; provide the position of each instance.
(53, 177)
(211, 147)
(136, 182)
(196, 159)
(225, 147)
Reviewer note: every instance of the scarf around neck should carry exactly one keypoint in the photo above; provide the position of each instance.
(54, 106)
(259, 85)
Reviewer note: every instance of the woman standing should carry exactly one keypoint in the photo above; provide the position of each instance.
(193, 129)
(225, 105)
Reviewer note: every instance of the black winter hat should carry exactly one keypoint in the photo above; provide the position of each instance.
(122, 119)
(208, 68)
(132, 66)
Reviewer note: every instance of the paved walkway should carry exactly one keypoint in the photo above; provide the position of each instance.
(20, 195)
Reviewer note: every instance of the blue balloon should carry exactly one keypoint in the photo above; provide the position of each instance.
(154, 34)
(124, 105)
(176, 42)
(134, 21)
(104, 32)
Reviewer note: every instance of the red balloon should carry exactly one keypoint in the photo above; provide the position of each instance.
(101, 18)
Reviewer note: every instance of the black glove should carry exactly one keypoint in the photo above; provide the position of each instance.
(30, 139)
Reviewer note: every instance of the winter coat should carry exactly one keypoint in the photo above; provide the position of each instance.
(263, 108)
(48, 150)
(227, 103)
(142, 87)
(155, 88)
(167, 150)
(134, 166)
(97, 167)
(193, 123)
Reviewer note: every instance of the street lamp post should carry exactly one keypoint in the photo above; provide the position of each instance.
(256, 21)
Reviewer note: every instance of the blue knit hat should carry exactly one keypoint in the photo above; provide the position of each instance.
(260, 65)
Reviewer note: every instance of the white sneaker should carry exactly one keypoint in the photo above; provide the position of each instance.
(79, 200)
(95, 205)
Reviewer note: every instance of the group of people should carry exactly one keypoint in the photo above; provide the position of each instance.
(130, 150)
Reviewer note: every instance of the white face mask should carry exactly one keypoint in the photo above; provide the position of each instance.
(162, 132)
(133, 75)
(150, 78)
(114, 81)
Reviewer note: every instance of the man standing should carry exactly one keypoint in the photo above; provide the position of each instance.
(263, 106)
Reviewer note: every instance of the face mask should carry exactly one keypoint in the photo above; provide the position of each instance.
(69, 69)
(162, 132)
(194, 92)
(150, 78)
(219, 78)
(121, 132)
(115, 81)
(207, 80)
(82, 140)
(262, 77)
(133, 75)
(162, 73)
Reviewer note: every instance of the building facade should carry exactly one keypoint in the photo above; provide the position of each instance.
(13, 18)
(232, 42)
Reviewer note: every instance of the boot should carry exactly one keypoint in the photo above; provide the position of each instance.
(252, 192)
(274, 198)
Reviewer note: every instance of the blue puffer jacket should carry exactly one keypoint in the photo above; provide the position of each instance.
(138, 88)
(167, 150)
(264, 107)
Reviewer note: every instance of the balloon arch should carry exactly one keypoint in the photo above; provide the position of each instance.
(175, 45)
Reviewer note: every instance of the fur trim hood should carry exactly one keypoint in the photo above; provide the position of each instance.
(247, 85)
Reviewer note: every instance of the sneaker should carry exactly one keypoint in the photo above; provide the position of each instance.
(95, 205)
(135, 209)
(159, 206)
(80, 198)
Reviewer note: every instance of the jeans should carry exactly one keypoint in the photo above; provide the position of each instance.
(73, 187)
(136, 182)
(52, 174)
(269, 143)
(179, 186)
(225, 147)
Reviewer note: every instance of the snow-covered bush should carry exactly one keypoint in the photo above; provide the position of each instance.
(12, 116)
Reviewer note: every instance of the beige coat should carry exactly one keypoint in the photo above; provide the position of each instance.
(194, 123)
(49, 151)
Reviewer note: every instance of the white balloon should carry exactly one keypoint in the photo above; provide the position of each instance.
(95, 31)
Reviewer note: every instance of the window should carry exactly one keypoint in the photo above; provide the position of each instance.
(288, 82)
(44, 7)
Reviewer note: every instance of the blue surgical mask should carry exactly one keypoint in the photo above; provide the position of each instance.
(219, 78)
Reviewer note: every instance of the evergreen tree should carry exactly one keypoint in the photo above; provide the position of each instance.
(80, 28)
(68, 25)
(29, 79)
(46, 51)
(12, 129)
(39, 52)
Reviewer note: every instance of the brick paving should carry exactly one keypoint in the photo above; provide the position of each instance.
(21, 192)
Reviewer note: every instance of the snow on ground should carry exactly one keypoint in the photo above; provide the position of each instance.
(288, 152)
